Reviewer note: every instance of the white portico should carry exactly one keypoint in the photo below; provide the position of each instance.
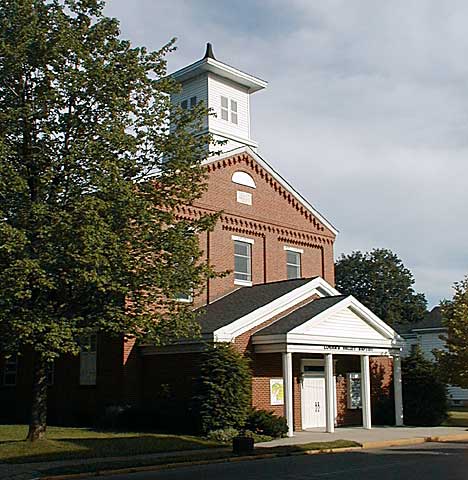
(328, 328)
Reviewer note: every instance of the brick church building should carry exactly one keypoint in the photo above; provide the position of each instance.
(319, 358)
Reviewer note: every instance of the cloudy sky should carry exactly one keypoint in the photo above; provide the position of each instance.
(366, 112)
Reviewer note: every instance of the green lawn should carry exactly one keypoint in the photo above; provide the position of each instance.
(68, 443)
(458, 418)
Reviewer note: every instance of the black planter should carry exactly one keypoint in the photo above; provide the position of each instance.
(242, 445)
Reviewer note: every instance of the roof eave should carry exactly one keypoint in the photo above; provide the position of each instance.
(253, 84)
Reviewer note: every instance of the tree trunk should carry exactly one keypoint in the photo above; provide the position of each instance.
(37, 426)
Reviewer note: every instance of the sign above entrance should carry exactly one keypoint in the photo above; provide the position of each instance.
(358, 350)
(342, 349)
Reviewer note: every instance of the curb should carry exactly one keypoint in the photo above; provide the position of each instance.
(415, 441)
(393, 443)
(171, 466)
(174, 465)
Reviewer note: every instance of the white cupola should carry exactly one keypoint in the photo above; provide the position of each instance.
(226, 91)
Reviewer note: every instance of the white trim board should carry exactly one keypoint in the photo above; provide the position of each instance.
(292, 348)
(303, 335)
(252, 83)
(356, 307)
(315, 287)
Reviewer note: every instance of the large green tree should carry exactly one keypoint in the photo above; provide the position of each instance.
(453, 361)
(90, 170)
(381, 282)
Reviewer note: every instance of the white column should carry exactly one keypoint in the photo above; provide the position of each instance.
(397, 390)
(288, 392)
(365, 392)
(329, 393)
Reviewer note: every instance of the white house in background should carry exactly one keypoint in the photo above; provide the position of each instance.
(226, 91)
(426, 334)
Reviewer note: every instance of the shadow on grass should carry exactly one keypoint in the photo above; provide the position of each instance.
(72, 448)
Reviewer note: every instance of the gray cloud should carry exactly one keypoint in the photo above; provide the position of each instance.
(366, 112)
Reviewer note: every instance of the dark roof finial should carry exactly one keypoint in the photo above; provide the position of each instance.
(209, 51)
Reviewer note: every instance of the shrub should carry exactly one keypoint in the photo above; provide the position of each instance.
(424, 394)
(223, 435)
(222, 398)
(263, 422)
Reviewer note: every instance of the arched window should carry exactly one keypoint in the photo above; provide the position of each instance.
(243, 178)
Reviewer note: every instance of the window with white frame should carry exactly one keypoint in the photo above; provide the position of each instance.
(293, 262)
(242, 261)
(10, 370)
(186, 104)
(233, 111)
(225, 108)
(88, 358)
(184, 297)
(229, 109)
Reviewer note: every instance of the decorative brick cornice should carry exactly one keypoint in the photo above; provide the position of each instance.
(248, 162)
(299, 243)
(238, 224)
(244, 231)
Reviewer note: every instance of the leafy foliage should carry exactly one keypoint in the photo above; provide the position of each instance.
(224, 389)
(380, 281)
(424, 394)
(223, 435)
(454, 361)
(93, 161)
(263, 422)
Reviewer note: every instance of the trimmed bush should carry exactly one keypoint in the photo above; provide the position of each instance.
(424, 394)
(226, 436)
(223, 436)
(223, 390)
(263, 422)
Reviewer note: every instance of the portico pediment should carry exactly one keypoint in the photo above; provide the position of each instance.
(341, 324)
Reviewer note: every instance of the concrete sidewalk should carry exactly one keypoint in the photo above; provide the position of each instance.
(377, 435)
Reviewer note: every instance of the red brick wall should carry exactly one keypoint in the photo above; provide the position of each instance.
(169, 377)
(131, 372)
(68, 401)
(274, 219)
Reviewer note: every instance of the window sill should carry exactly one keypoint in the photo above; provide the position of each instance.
(243, 283)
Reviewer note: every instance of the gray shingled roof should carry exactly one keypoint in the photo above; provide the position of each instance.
(243, 301)
(432, 319)
(299, 316)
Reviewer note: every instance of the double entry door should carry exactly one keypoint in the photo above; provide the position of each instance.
(313, 402)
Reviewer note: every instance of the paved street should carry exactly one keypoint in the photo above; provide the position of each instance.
(430, 461)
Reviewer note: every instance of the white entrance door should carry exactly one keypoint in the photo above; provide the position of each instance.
(313, 402)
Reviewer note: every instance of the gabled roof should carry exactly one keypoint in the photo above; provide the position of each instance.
(282, 181)
(248, 307)
(243, 301)
(431, 320)
(299, 316)
(334, 320)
